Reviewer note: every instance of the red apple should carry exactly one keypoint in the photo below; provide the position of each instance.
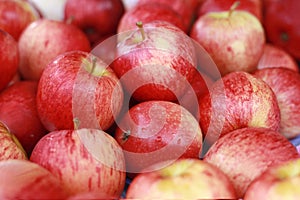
(91, 195)
(275, 56)
(234, 39)
(18, 107)
(246, 153)
(9, 59)
(155, 62)
(97, 18)
(282, 25)
(237, 100)
(255, 7)
(148, 13)
(277, 182)
(286, 85)
(78, 86)
(16, 15)
(155, 131)
(45, 39)
(22, 179)
(183, 179)
(10, 147)
(85, 160)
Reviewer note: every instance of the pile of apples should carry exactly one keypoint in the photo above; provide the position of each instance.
(183, 99)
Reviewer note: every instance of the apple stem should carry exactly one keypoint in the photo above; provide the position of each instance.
(94, 60)
(76, 123)
(233, 7)
(140, 26)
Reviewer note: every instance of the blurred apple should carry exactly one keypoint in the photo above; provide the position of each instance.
(10, 147)
(9, 59)
(22, 179)
(16, 15)
(53, 9)
(274, 56)
(85, 160)
(97, 18)
(183, 179)
(234, 39)
(286, 85)
(18, 107)
(45, 39)
(278, 182)
(244, 154)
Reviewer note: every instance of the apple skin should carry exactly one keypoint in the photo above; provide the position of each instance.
(285, 83)
(255, 7)
(155, 131)
(43, 40)
(68, 90)
(16, 15)
(10, 147)
(158, 67)
(85, 160)
(148, 13)
(244, 154)
(97, 18)
(234, 39)
(183, 179)
(9, 60)
(27, 180)
(275, 56)
(237, 100)
(276, 183)
(18, 106)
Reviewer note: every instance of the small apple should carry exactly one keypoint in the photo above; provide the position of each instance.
(237, 100)
(156, 61)
(277, 182)
(97, 18)
(78, 85)
(150, 12)
(9, 59)
(233, 38)
(275, 56)
(85, 160)
(10, 147)
(245, 153)
(18, 106)
(43, 40)
(16, 15)
(182, 179)
(285, 83)
(155, 131)
(22, 179)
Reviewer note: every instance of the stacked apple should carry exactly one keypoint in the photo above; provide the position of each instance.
(183, 99)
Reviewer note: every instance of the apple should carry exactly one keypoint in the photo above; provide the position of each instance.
(233, 38)
(18, 106)
(91, 195)
(237, 100)
(78, 86)
(155, 131)
(22, 179)
(286, 85)
(275, 56)
(150, 12)
(277, 182)
(9, 60)
(10, 147)
(183, 179)
(16, 15)
(281, 25)
(85, 160)
(156, 61)
(45, 39)
(97, 18)
(255, 7)
(245, 153)
(53, 9)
